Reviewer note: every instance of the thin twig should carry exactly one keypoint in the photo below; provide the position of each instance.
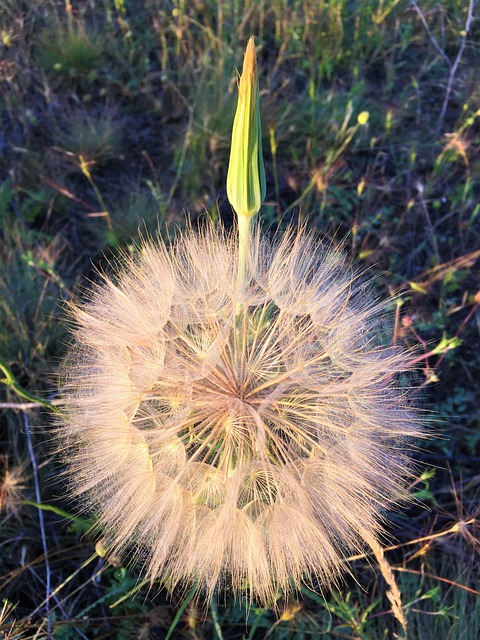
(453, 69)
(434, 577)
(26, 406)
(40, 519)
(59, 605)
(430, 34)
(433, 536)
(451, 66)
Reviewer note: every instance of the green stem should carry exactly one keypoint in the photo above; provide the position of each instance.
(86, 172)
(216, 623)
(85, 524)
(11, 381)
(180, 611)
(244, 234)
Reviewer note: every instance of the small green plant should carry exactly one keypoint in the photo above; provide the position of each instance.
(93, 135)
(70, 53)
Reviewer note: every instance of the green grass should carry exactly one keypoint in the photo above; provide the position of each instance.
(114, 112)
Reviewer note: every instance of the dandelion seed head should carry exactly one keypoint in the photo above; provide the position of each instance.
(244, 437)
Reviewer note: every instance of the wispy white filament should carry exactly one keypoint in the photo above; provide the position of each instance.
(235, 436)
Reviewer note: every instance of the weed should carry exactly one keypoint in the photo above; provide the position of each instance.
(95, 137)
(70, 53)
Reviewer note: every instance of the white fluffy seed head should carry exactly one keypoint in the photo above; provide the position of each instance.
(242, 437)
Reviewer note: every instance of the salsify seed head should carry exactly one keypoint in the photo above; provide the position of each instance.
(242, 437)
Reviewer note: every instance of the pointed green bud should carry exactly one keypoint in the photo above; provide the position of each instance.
(246, 175)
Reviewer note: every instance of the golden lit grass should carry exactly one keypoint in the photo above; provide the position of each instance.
(241, 436)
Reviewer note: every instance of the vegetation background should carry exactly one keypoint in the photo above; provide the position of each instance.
(115, 112)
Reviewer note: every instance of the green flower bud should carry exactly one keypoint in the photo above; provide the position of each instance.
(246, 175)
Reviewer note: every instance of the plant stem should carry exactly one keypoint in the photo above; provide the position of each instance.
(11, 381)
(244, 235)
(48, 577)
